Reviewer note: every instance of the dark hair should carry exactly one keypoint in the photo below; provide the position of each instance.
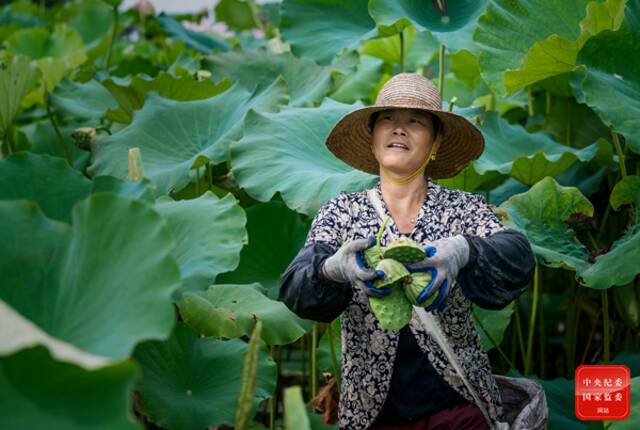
(437, 125)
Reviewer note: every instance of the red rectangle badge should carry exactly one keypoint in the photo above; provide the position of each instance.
(602, 392)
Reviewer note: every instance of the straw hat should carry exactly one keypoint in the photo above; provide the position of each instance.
(350, 139)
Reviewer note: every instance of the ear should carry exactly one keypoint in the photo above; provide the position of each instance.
(437, 143)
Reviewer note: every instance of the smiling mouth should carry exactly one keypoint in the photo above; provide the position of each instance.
(398, 145)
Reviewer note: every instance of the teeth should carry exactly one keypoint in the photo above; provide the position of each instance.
(398, 145)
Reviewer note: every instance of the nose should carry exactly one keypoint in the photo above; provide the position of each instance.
(399, 130)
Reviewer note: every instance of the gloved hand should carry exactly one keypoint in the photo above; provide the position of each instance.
(445, 257)
(347, 265)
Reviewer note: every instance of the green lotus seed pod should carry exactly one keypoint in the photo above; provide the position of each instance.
(393, 272)
(393, 311)
(413, 286)
(404, 250)
(371, 257)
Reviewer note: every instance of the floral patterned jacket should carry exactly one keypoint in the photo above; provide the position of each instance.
(497, 272)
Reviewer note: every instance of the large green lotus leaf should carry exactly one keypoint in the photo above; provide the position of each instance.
(621, 264)
(509, 29)
(17, 78)
(470, 180)
(18, 333)
(91, 285)
(239, 14)
(47, 180)
(508, 188)
(610, 85)
(209, 233)
(494, 324)
(308, 83)
(56, 53)
(633, 422)
(361, 84)
(276, 234)
(560, 396)
(294, 158)
(540, 214)
(295, 411)
(193, 383)
(82, 100)
(39, 392)
(528, 157)
(229, 311)
(452, 26)
(556, 55)
(201, 42)
(131, 93)
(464, 66)
(92, 19)
(134, 190)
(43, 139)
(304, 24)
(573, 123)
(172, 135)
(62, 388)
(419, 48)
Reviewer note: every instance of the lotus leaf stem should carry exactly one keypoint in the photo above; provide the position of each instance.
(441, 70)
(401, 34)
(63, 145)
(113, 36)
(314, 376)
(607, 328)
(616, 144)
(519, 331)
(532, 321)
(334, 357)
(492, 340)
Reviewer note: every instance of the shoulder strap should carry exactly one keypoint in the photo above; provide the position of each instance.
(430, 323)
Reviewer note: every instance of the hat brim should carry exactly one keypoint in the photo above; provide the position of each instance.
(462, 142)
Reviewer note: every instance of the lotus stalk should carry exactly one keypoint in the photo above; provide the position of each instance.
(52, 120)
(532, 321)
(248, 384)
(334, 356)
(113, 36)
(441, 69)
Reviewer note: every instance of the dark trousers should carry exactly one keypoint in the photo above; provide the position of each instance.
(466, 416)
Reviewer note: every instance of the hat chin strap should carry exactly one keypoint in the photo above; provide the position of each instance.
(411, 177)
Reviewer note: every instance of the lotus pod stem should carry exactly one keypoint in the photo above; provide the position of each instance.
(248, 384)
(379, 235)
(136, 171)
(314, 375)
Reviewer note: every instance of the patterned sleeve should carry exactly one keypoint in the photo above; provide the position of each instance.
(501, 261)
(330, 224)
(480, 219)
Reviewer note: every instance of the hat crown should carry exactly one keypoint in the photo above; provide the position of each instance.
(410, 89)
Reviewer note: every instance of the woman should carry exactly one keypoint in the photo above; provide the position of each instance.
(404, 379)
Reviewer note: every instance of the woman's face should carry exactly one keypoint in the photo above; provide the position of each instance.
(402, 138)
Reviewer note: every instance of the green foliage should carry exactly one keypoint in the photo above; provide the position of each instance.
(207, 389)
(229, 311)
(230, 118)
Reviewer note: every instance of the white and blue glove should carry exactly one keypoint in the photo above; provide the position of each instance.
(445, 257)
(347, 265)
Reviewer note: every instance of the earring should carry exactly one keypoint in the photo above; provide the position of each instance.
(433, 156)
